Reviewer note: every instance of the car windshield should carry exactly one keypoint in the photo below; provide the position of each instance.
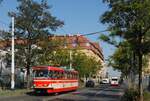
(40, 73)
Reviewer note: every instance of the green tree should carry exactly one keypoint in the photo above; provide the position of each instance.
(131, 18)
(33, 21)
(84, 64)
(48, 48)
(125, 61)
(122, 55)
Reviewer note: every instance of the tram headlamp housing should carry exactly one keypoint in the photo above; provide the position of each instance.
(45, 85)
(34, 85)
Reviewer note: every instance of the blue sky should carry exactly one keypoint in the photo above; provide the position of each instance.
(80, 16)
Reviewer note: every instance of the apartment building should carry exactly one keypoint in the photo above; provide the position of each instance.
(80, 42)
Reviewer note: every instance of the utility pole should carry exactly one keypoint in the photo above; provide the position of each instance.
(70, 59)
(12, 57)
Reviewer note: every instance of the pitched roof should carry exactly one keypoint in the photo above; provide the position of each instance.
(72, 42)
(75, 41)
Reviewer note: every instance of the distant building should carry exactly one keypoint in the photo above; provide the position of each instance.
(91, 49)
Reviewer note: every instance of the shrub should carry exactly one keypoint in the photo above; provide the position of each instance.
(130, 95)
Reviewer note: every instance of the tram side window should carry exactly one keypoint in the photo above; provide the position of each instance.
(53, 74)
(56, 74)
(41, 73)
(71, 75)
(65, 75)
(50, 74)
(74, 76)
(68, 76)
(61, 75)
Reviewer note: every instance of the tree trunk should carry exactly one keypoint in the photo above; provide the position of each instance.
(134, 67)
(140, 77)
(28, 58)
(28, 64)
(149, 84)
(28, 76)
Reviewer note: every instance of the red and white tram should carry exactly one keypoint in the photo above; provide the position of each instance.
(53, 79)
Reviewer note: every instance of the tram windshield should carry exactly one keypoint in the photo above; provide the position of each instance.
(40, 73)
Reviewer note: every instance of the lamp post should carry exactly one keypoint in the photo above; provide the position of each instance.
(12, 57)
(70, 52)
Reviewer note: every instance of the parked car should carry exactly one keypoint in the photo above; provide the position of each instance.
(105, 81)
(90, 83)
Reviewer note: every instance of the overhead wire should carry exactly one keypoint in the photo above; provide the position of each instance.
(87, 34)
(93, 33)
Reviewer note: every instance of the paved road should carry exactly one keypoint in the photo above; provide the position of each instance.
(101, 93)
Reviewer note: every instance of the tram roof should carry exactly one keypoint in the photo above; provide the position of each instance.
(52, 68)
(47, 67)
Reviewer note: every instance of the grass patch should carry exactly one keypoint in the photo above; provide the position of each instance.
(17, 92)
(146, 96)
(130, 95)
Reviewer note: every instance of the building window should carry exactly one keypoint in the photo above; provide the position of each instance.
(74, 44)
(87, 44)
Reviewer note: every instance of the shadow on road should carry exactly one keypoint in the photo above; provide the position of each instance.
(32, 93)
(61, 99)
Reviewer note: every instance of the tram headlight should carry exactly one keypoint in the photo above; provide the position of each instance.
(45, 85)
(34, 85)
(50, 85)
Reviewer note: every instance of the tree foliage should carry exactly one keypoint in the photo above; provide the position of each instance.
(46, 52)
(33, 22)
(122, 60)
(129, 21)
(131, 18)
(84, 64)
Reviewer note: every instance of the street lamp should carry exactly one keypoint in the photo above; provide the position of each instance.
(70, 52)
(12, 58)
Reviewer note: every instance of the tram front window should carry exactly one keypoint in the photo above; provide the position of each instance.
(40, 73)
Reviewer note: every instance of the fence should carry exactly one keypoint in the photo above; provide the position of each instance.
(20, 82)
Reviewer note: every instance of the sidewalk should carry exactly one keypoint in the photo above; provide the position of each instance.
(16, 92)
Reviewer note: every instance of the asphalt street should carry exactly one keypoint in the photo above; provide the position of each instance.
(99, 93)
